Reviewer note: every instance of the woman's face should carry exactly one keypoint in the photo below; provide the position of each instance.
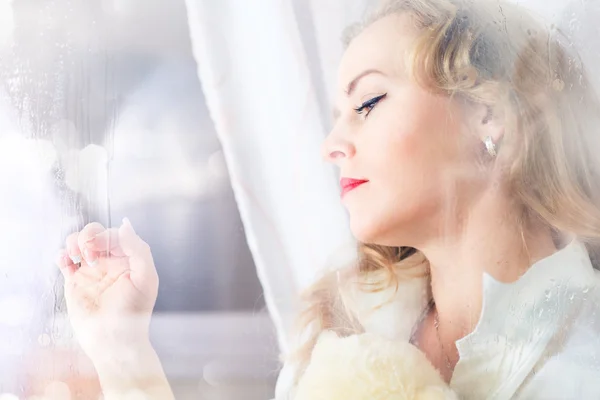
(411, 146)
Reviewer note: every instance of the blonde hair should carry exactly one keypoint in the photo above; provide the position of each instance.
(493, 53)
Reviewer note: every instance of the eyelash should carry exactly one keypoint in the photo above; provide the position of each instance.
(369, 104)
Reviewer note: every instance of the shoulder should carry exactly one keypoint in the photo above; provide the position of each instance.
(577, 340)
(573, 354)
(588, 318)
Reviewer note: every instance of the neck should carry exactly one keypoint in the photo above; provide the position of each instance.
(489, 241)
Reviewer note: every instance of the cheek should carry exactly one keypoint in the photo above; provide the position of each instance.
(400, 192)
(410, 156)
(421, 153)
(410, 152)
(416, 123)
(409, 147)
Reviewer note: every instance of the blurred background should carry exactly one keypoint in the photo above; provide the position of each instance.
(201, 121)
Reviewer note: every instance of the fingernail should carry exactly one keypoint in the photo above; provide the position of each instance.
(76, 259)
(127, 222)
(89, 257)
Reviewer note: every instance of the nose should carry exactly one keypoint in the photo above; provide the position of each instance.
(335, 149)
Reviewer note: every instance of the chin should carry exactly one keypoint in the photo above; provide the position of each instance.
(373, 232)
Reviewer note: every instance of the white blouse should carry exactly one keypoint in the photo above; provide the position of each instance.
(537, 338)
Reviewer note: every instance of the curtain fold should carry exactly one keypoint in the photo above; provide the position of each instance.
(260, 88)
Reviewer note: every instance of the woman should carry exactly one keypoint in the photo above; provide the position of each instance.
(463, 135)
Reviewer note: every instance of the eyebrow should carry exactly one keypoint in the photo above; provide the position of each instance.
(352, 86)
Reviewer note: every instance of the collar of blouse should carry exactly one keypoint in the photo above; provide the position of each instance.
(517, 321)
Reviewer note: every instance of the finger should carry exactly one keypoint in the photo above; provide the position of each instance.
(107, 241)
(65, 264)
(138, 251)
(73, 249)
(87, 233)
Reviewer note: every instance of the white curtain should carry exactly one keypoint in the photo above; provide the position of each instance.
(268, 69)
(263, 65)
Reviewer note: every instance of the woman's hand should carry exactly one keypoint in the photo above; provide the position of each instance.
(110, 295)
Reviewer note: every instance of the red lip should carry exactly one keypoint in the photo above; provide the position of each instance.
(348, 184)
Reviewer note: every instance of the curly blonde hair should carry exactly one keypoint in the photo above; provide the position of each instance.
(493, 53)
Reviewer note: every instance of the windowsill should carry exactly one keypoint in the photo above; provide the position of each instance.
(219, 347)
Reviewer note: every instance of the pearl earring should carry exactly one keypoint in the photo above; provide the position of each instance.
(490, 146)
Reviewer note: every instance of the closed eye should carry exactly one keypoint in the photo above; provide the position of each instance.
(369, 105)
